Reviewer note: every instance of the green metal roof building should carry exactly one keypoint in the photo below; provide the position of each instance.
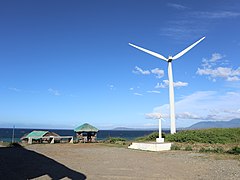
(86, 133)
(86, 128)
(36, 134)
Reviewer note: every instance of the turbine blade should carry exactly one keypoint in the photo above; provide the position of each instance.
(149, 52)
(187, 49)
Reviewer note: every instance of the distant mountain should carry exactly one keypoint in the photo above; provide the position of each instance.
(123, 128)
(234, 123)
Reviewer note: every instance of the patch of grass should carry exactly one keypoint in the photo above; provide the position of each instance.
(209, 136)
(215, 140)
(115, 140)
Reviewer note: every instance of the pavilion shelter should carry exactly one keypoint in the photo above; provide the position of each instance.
(86, 133)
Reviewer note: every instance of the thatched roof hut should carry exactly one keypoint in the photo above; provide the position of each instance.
(86, 133)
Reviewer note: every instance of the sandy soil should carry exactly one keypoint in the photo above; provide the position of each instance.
(95, 161)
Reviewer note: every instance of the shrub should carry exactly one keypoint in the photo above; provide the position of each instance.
(14, 144)
(235, 150)
(188, 148)
(202, 150)
(218, 150)
(151, 137)
(175, 147)
(115, 140)
(212, 150)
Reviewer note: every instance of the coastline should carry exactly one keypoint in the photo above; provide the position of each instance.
(6, 133)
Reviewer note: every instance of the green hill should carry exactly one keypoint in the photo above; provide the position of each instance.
(212, 136)
(234, 123)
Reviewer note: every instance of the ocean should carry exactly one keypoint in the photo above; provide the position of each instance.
(6, 134)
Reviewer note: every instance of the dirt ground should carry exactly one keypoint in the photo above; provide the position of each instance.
(96, 161)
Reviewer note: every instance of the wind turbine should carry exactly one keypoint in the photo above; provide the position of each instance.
(170, 76)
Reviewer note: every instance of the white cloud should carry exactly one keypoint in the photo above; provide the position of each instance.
(14, 89)
(208, 63)
(112, 87)
(165, 84)
(159, 72)
(160, 85)
(217, 15)
(54, 92)
(137, 94)
(176, 6)
(210, 69)
(154, 92)
(153, 115)
(233, 78)
(205, 105)
(228, 74)
(184, 30)
(138, 70)
(22, 90)
(215, 57)
(180, 84)
(193, 24)
(187, 115)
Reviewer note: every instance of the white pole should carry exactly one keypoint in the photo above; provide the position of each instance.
(160, 139)
(160, 128)
(171, 98)
(13, 134)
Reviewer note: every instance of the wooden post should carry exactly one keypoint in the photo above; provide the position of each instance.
(52, 141)
(71, 141)
(29, 140)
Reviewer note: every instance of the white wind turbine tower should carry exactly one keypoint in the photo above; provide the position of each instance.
(170, 77)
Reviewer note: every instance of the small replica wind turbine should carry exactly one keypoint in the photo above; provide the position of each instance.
(170, 76)
(160, 139)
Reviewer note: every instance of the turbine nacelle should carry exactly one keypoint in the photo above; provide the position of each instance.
(170, 58)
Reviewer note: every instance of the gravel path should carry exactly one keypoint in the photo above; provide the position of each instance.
(94, 161)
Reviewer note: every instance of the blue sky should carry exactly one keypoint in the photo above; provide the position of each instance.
(64, 63)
